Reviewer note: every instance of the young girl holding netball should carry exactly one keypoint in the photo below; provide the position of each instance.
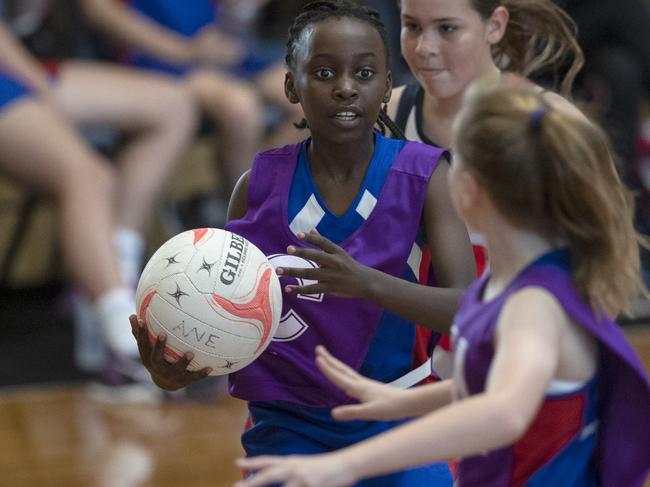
(448, 44)
(545, 391)
(377, 198)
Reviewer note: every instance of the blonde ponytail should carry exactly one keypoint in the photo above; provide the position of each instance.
(552, 171)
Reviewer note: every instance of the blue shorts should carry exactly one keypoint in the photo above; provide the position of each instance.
(280, 428)
(11, 90)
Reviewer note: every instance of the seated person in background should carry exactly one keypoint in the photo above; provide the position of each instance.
(157, 119)
(198, 42)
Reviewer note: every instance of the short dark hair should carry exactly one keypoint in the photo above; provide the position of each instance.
(315, 12)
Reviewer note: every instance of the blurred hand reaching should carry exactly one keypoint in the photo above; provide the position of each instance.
(325, 470)
(377, 401)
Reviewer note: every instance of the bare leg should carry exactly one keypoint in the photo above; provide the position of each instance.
(235, 108)
(155, 112)
(42, 151)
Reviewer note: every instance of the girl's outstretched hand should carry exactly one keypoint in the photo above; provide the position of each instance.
(337, 274)
(326, 470)
(377, 401)
(166, 375)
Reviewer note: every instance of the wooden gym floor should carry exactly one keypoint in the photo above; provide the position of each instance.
(61, 436)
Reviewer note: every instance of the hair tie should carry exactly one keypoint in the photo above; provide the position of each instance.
(536, 119)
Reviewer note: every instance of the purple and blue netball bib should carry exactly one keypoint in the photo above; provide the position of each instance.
(597, 435)
(286, 370)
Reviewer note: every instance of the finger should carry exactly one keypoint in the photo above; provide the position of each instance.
(158, 352)
(309, 289)
(133, 319)
(182, 366)
(140, 329)
(254, 463)
(184, 362)
(343, 376)
(334, 368)
(301, 273)
(322, 350)
(354, 411)
(204, 372)
(315, 255)
(335, 363)
(315, 238)
(144, 345)
(338, 378)
(271, 475)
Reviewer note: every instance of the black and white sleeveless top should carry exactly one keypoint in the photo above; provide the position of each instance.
(409, 114)
(409, 120)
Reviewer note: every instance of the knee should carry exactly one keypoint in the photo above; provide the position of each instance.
(175, 110)
(241, 107)
(180, 111)
(225, 100)
(89, 175)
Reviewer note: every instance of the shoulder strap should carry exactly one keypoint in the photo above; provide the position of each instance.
(272, 165)
(419, 159)
(405, 104)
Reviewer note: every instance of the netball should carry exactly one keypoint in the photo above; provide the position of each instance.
(214, 293)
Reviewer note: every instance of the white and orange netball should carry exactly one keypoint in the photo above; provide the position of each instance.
(215, 294)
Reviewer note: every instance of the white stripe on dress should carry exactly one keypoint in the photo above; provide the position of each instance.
(411, 129)
(414, 260)
(309, 217)
(366, 205)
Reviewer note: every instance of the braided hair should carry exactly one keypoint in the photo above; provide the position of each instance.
(319, 11)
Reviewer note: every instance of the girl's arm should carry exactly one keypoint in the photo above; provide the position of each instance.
(527, 343)
(527, 346)
(239, 199)
(136, 30)
(451, 257)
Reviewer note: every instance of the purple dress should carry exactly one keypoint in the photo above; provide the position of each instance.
(286, 370)
(599, 435)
